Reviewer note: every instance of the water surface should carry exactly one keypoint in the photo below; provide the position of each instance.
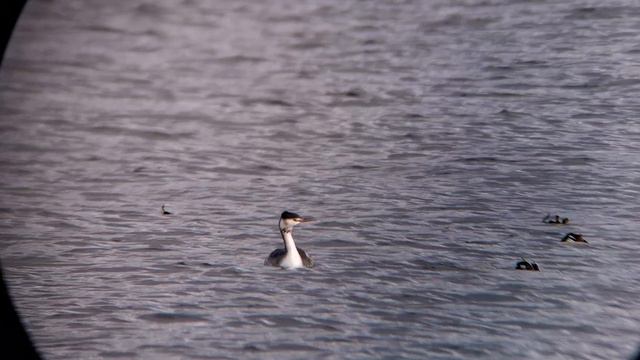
(428, 139)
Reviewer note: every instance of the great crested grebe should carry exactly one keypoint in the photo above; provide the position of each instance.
(290, 257)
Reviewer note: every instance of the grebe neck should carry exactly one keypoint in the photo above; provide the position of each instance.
(292, 258)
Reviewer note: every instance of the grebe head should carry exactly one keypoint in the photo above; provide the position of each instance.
(288, 220)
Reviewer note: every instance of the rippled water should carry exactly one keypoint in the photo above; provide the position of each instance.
(428, 139)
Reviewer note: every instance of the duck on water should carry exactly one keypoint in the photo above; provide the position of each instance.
(547, 219)
(572, 237)
(290, 257)
(526, 265)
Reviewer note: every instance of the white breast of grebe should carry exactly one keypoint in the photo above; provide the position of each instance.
(292, 260)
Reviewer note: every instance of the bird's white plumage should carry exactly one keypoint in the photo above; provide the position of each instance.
(290, 257)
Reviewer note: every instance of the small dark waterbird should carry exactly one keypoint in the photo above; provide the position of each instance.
(290, 257)
(525, 265)
(165, 212)
(572, 237)
(557, 220)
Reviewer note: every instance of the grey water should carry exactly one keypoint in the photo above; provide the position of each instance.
(428, 139)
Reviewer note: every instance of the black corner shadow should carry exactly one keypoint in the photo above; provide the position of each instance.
(15, 342)
(9, 12)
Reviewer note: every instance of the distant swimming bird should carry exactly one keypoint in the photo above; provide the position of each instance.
(291, 256)
(525, 265)
(547, 219)
(571, 237)
(165, 212)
